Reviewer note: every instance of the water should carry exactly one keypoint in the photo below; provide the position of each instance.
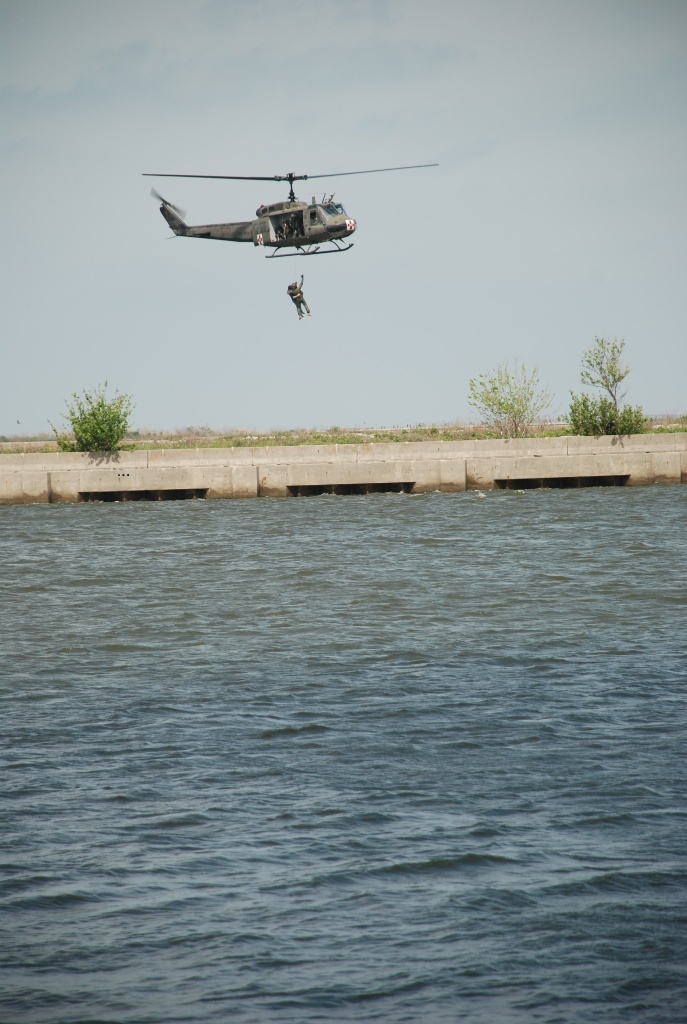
(385, 758)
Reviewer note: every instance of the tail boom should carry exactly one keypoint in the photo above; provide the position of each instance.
(239, 232)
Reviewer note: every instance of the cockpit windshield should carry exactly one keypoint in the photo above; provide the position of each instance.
(333, 209)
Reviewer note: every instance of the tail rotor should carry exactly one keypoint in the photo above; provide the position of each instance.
(172, 214)
(165, 203)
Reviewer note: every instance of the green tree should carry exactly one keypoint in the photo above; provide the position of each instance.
(602, 368)
(98, 423)
(510, 403)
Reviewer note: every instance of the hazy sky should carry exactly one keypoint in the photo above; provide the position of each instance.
(557, 212)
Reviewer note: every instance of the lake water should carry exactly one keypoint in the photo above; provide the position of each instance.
(388, 758)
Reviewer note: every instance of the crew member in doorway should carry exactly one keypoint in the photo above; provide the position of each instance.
(295, 290)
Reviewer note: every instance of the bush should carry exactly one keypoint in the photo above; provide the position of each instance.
(98, 424)
(597, 416)
(509, 403)
(602, 368)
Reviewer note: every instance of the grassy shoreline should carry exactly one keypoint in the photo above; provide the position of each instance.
(206, 438)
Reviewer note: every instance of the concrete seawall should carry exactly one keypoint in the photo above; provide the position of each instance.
(347, 468)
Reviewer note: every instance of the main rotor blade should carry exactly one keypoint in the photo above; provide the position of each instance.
(227, 177)
(375, 170)
(286, 177)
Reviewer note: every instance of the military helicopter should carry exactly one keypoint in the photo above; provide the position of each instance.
(311, 229)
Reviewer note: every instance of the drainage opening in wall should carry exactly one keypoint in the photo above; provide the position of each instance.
(563, 481)
(175, 494)
(308, 490)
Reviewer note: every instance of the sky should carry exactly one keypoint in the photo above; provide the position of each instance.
(557, 212)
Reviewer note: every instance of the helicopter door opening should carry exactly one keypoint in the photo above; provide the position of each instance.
(286, 227)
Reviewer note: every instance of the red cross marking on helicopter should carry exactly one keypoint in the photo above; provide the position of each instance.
(350, 224)
(260, 240)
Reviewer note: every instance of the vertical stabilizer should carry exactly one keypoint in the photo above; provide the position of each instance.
(172, 214)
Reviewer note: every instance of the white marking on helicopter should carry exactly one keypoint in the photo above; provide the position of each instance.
(260, 240)
(350, 225)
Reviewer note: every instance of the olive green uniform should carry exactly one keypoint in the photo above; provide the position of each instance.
(296, 292)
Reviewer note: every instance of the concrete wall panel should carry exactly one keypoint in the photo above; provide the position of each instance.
(58, 461)
(226, 482)
(244, 481)
(24, 462)
(330, 473)
(118, 460)
(482, 473)
(12, 488)
(122, 480)
(667, 468)
(275, 480)
(453, 474)
(85, 460)
(35, 487)
(519, 447)
(167, 479)
(633, 444)
(404, 450)
(63, 486)
(181, 458)
(437, 475)
(304, 453)
(640, 466)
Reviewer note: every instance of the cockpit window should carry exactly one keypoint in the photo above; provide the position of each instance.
(333, 209)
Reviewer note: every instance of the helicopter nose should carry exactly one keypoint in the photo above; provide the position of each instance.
(343, 227)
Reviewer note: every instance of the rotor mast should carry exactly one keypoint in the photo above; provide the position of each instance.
(291, 177)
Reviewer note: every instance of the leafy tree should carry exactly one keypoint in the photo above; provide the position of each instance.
(98, 423)
(509, 403)
(602, 368)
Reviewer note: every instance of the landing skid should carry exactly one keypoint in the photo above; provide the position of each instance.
(310, 250)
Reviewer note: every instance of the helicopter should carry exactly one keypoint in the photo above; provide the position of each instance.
(311, 229)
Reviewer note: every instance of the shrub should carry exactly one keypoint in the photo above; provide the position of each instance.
(602, 368)
(98, 423)
(596, 416)
(509, 403)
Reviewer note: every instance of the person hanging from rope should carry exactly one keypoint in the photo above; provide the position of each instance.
(295, 290)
